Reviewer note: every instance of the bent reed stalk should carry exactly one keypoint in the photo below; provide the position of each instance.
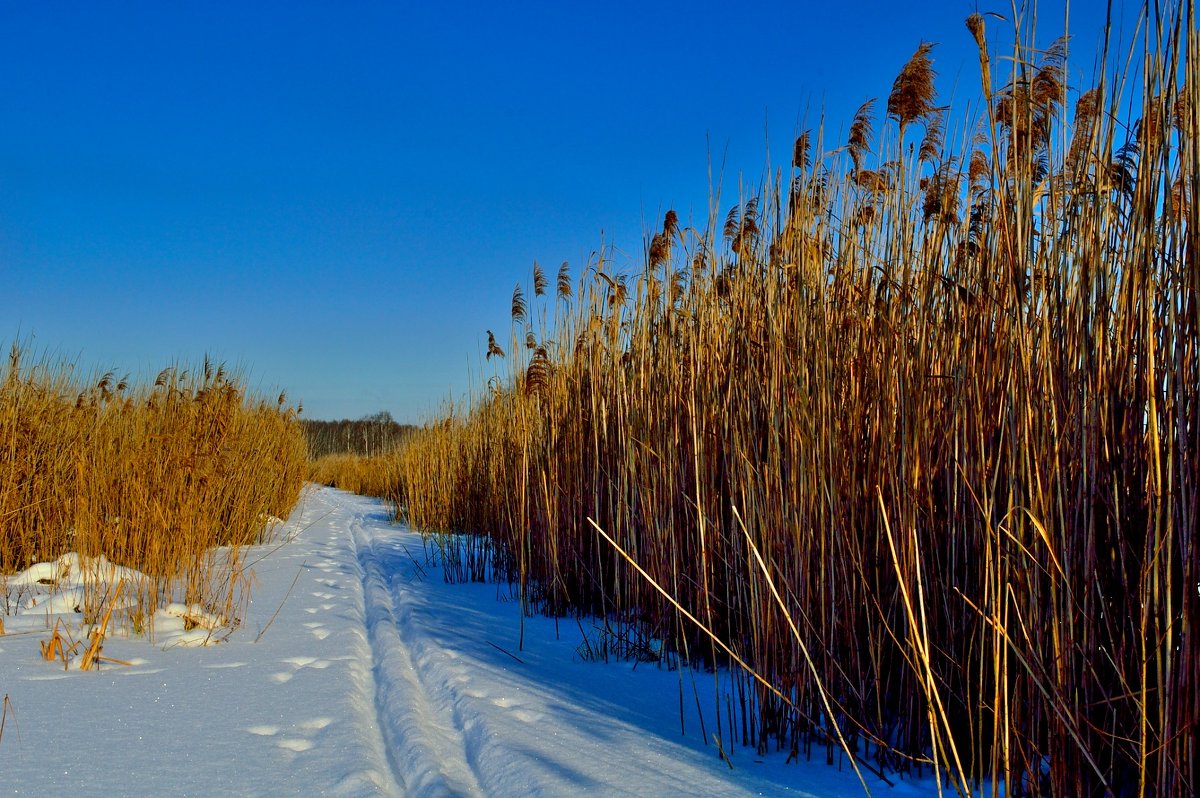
(953, 397)
(171, 478)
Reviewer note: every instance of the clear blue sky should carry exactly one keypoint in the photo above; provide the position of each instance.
(339, 197)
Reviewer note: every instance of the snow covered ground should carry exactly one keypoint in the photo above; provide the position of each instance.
(372, 677)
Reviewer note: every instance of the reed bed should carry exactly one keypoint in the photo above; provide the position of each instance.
(171, 478)
(946, 392)
(358, 456)
(375, 475)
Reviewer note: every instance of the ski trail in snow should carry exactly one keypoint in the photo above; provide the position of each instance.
(356, 672)
(448, 711)
(423, 734)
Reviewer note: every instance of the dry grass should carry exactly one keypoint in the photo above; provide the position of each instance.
(170, 478)
(358, 456)
(370, 436)
(377, 475)
(950, 396)
(5, 709)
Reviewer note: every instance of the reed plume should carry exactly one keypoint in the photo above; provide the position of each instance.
(913, 93)
(859, 142)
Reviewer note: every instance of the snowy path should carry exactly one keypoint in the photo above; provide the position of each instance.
(372, 677)
(424, 735)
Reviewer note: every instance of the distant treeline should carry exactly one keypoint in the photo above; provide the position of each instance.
(367, 436)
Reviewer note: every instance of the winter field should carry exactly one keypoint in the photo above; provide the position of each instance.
(357, 671)
(907, 427)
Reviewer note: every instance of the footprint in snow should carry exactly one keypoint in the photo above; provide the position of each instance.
(525, 716)
(316, 724)
(318, 630)
(264, 731)
(307, 662)
(294, 744)
(299, 663)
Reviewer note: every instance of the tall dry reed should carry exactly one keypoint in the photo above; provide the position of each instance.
(357, 456)
(949, 393)
(376, 475)
(170, 478)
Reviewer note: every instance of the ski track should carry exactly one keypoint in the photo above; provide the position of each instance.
(356, 673)
(422, 730)
(447, 711)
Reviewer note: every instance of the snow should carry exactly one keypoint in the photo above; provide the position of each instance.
(357, 671)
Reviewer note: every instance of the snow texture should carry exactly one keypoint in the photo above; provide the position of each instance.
(358, 672)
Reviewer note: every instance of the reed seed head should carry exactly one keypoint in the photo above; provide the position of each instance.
(564, 281)
(800, 152)
(493, 347)
(539, 280)
(859, 142)
(519, 307)
(976, 26)
(912, 92)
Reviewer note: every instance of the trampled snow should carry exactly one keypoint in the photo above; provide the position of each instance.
(357, 671)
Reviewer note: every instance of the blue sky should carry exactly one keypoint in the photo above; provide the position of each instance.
(338, 198)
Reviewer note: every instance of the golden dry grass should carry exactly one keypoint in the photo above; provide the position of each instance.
(376, 475)
(951, 396)
(170, 478)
